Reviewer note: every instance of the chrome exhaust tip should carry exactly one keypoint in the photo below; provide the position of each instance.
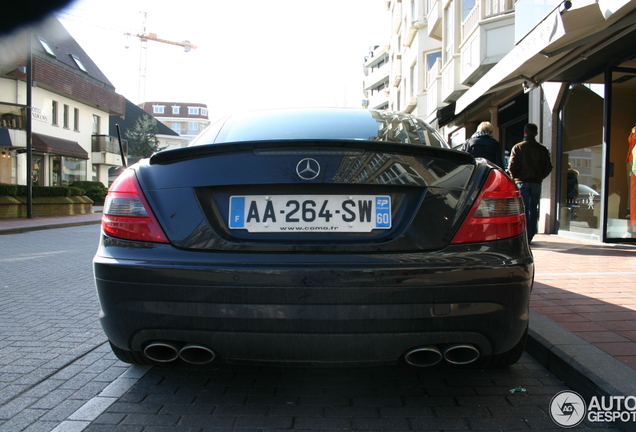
(423, 356)
(196, 354)
(461, 354)
(162, 352)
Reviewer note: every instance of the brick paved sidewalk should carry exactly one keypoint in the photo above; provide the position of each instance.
(590, 289)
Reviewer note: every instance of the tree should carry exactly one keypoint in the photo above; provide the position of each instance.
(142, 139)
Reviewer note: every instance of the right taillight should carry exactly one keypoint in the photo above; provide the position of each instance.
(127, 214)
(496, 214)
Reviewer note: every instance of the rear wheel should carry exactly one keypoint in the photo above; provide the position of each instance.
(131, 357)
(505, 359)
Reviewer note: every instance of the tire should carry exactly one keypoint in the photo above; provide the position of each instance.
(505, 359)
(132, 357)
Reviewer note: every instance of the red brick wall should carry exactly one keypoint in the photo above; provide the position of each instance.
(49, 75)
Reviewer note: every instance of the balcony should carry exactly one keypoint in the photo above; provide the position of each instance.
(415, 27)
(105, 150)
(434, 19)
(378, 99)
(397, 71)
(381, 53)
(484, 43)
(433, 90)
(377, 77)
(452, 87)
(411, 104)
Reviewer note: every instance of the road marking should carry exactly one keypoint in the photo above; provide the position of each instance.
(87, 413)
(587, 273)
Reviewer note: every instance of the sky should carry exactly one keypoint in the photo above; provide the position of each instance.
(251, 54)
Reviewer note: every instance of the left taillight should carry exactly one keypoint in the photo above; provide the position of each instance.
(127, 214)
(497, 213)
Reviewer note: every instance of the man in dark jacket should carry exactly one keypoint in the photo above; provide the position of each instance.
(483, 144)
(529, 164)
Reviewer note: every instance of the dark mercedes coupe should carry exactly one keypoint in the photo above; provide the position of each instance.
(315, 236)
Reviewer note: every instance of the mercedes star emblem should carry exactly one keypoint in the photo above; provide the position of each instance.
(308, 169)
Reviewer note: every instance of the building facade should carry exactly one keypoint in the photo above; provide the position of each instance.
(186, 119)
(70, 108)
(566, 66)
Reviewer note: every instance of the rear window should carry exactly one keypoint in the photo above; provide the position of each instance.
(321, 124)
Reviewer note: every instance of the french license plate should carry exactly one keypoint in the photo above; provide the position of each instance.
(317, 213)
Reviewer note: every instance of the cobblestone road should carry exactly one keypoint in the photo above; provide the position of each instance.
(57, 371)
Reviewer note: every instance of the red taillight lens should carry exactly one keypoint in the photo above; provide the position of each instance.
(496, 214)
(127, 214)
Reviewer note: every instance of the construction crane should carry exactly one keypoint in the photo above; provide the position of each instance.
(144, 37)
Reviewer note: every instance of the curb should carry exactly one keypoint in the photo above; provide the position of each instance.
(586, 369)
(23, 229)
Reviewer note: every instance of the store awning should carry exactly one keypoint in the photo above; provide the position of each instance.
(5, 138)
(552, 45)
(48, 144)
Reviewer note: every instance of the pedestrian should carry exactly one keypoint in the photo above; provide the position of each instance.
(529, 164)
(483, 144)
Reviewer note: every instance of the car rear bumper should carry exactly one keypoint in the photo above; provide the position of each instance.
(318, 308)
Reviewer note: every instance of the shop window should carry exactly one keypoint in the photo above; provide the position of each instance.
(582, 173)
(37, 170)
(73, 169)
(621, 186)
(66, 170)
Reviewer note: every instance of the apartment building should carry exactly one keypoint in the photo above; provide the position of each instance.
(567, 66)
(168, 139)
(187, 119)
(71, 103)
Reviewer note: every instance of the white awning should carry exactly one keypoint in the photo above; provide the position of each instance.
(560, 32)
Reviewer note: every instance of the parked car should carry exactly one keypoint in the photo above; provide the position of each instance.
(315, 236)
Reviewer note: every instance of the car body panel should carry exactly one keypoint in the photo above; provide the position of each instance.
(315, 296)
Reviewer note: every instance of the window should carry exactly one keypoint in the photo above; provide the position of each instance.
(47, 47)
(431, 58)
(449, 33)
(467, 6)
(54, 113)
(176, 127)
(96, 123)
(193, 110)
(175, 109)
(158, 109)
(73, 169)
(66, 114)
(204, 111)
(494, 7)
(76, 120)
(79, 63)
(413, 79)
(193, 126)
